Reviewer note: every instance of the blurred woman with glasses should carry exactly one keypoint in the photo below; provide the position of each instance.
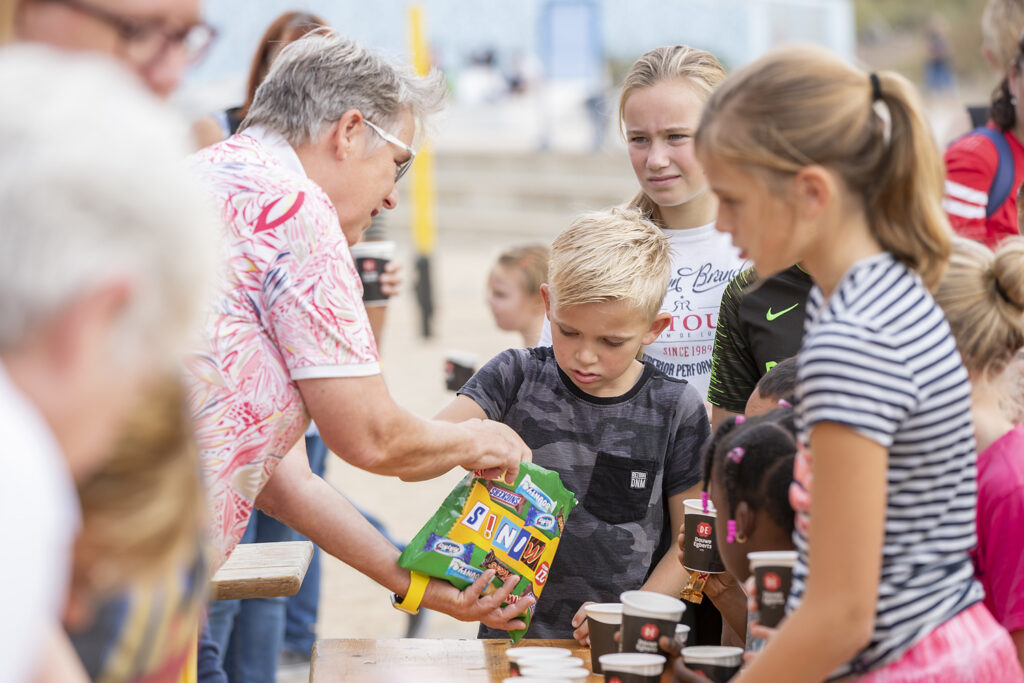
(158, 39)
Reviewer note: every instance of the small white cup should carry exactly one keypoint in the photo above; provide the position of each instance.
(637, 663)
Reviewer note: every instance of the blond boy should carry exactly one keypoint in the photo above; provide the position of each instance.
(624, 437)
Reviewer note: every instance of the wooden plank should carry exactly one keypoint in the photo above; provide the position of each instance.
(262, 570)
(422, 660)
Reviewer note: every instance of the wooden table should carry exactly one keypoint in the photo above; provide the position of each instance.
(262, 570)
(424, 660)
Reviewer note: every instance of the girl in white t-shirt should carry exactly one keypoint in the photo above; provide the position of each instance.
(659, 110)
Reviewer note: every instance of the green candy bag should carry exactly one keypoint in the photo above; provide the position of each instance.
(490, 525)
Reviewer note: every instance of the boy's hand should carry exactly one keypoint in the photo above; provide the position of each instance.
(582, 626)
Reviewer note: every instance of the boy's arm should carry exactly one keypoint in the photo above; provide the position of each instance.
(668, 576)
(461, 409)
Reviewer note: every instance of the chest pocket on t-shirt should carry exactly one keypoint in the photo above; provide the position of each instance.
(620, 488)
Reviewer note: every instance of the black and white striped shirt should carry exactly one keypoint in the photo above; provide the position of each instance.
(879, 357)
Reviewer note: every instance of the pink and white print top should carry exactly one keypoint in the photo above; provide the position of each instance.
(288, 307)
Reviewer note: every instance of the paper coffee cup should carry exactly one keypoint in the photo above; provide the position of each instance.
(682, 636)
(773, 575)
(716, 662)
(574, 674)
(370, 259)
(604, 619)
(646, 617)
(459, 366)
(632, 667)
(700, 551)
(515, 654)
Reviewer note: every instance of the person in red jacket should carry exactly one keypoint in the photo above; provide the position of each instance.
(985, 168)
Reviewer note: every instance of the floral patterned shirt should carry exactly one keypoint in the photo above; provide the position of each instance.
(288, 307)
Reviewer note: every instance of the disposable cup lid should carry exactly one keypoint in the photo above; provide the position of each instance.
(696, 505)
(651, 604)
(534, 679)
(517, 653)
(783, 558)
(383, 249)
(633, 662)
(577, 673)
(712, 654)
(549, 663)
(605, 612)
(462, 357)
(682, 629)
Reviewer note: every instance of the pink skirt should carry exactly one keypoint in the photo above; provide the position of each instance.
(969, 648)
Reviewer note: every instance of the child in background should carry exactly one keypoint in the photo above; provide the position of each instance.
(624, 437)
(659, 109)
(747, 470)
(776, 388)
(983, 296)
(816, 162)
(513, 291)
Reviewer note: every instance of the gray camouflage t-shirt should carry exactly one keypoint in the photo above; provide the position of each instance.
(622, 456)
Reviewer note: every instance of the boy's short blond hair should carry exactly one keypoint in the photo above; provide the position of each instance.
(611, 255)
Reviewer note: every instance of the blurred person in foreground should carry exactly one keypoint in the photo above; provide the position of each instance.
(326, 139)
(96, 304)
(157, 39)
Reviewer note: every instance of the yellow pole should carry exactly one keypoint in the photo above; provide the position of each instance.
(423, 226)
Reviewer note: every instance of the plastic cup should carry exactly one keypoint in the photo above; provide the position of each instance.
(459, 366)
(549, 663)
(370, 259)
(604, 619)
(700, 549)
(718, 663)
(515, 654)
(646, 616)
(632, 667)
(773, 575)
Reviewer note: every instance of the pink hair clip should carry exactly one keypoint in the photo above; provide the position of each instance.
(783, 403)
(740, 419)
(736, 454)
(704, 500)
(731, 527)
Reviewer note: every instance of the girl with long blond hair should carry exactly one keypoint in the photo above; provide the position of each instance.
(814, 161)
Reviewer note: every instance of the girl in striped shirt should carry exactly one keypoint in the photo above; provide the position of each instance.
(816, 162)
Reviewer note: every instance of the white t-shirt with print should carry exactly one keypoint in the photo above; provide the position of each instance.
(703, 263)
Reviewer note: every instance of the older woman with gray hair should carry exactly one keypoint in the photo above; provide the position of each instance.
(327, 137)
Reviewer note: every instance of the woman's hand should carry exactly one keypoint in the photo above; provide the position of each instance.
(391, 279)
(582, 626)
(471, 605)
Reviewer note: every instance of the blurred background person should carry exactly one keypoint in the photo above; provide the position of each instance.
(982, 295)
(96, 306)
(285, 29)
(513, 291)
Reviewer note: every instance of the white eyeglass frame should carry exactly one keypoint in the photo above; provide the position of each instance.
(400, 169)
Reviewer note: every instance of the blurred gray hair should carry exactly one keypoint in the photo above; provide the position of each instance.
(318, 78)
(93, 189)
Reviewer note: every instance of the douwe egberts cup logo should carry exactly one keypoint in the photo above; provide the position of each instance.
(649, 632)
(771, 581)
(704, 529)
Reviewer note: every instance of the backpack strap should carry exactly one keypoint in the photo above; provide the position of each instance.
(1002, 183)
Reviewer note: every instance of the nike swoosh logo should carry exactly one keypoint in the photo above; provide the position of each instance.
(772, 316)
